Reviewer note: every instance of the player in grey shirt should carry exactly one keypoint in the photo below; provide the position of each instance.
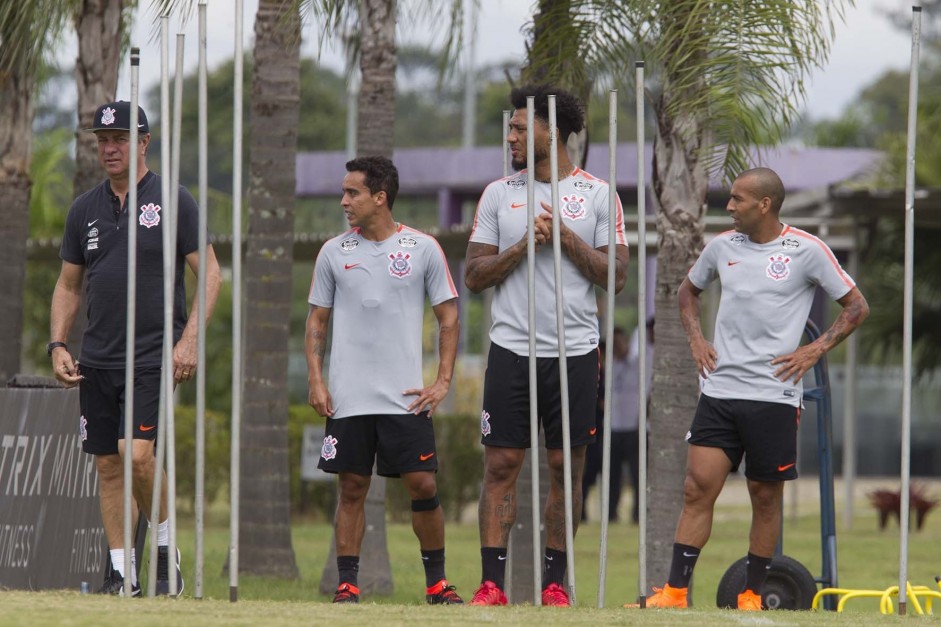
(376, 276)
(495, 256)
(751, 390)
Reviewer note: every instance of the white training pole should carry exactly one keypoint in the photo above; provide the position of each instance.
(506, 144)
(175, 205)
(563, 361)
(609, 342)
(203, 149)
(234, 482)
(167, 231)
(641, 335)
(849, 401)
(531, 312)
(907, 308)
(131, 334)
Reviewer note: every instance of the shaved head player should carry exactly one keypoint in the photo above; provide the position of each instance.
(751, 376)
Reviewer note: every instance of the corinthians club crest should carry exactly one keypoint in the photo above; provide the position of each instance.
(329, 448)
(107, 116)
(778, 268)
(485, 423)
(573, 207)
(400, 266)
(149, 215)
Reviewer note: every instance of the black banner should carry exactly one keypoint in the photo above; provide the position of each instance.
(50, 522)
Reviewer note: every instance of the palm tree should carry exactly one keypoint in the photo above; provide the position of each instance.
(265, 541)
(27, 30)
(265, 546)
(723, 77)
(101, 32)
(372, 25)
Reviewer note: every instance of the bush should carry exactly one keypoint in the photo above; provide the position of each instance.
(218, 447)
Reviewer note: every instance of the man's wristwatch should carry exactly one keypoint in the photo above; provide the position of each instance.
(51, 346)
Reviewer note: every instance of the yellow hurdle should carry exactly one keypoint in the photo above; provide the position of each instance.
(885, 597)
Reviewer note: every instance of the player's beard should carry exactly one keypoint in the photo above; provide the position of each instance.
(520, 163)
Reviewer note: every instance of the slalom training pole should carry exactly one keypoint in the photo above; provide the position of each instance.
(506, 145)
(203, 150)
(531, 312)
(609, 342)
(907, 309)
(563, 361)
(130, 332)
(175, 205)
(234, 477)
(166, 371)
(642, 364)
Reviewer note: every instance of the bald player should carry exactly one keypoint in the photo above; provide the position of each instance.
(496, 257)
(751, 376)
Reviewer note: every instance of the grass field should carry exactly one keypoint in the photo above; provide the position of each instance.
(867, 558)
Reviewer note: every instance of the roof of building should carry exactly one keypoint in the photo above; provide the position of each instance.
(466, 171)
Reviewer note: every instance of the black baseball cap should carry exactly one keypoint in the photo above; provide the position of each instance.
(117, 116)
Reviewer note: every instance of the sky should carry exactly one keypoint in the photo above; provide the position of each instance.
(865, 46)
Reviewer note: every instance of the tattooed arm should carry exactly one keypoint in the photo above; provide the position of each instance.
(793, 366)
(315, 342)
(591, 262)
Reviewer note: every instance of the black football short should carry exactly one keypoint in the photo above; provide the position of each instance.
(504, 420)
(395, 443)
(101, 399)
(764, 433)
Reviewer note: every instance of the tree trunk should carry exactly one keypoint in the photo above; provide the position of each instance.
(98, 26)
(16, 116)
(680, 182)
(375, 134)
(554, 17)
(264, 503)
(99, 29)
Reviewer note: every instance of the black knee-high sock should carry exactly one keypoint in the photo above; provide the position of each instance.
(348, 567)
(681, 568)
(433, 561)
(756, 571)
(493, 562)
(554, 566)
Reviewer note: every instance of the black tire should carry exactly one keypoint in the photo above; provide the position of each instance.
(789, 585)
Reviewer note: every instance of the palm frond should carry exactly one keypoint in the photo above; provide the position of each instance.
(27, 30)
(739, 66)
(339, 19)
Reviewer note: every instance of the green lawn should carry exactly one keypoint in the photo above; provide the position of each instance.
(868, 558)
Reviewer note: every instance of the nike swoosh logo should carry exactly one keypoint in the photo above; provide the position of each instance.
(150, 428)
(350, 266)
(732, 263)
(785, 467)
(685, 554)
(93, 221)
(517, 205)
(502, 558)
(426, 457)
(592, 431)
